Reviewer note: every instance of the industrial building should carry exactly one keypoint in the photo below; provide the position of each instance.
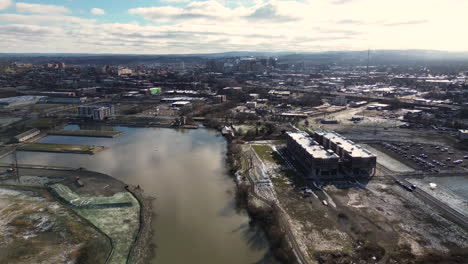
(181, 104)
(463, 134)
(19, 101)
(320, 163)
(64, 100)
(151, 91)
(27, 135)
(219, 99)
(355, 159)
(96, 112)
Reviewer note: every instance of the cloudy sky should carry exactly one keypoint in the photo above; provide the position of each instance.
(205, 26)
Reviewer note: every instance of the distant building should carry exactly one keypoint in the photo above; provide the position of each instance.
(27, 135)
(355, 159)
(377, 106)
(275, 94)
(251, 105)
(340, 100)
(181, 104)
(87, 90)
(151, 91)
(319, 162)
(96, 112)
(124, 71)
(19, 101)
(65, 100)
(219, 99)
(254, 96)
(358, 104)
(463, 134)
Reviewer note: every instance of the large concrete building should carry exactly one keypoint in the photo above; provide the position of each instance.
(320, 163)
(355, 159)
(96, 112)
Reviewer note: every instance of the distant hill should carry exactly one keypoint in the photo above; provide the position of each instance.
(338, 57)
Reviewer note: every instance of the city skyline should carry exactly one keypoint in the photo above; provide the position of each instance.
(184, 27)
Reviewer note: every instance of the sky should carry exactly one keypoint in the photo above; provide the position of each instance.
(209, 26)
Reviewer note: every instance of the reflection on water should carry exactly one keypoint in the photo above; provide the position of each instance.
(196, 218)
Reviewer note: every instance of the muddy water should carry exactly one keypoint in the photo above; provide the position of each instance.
(185, 170)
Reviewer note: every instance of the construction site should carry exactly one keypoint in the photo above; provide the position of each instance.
(389, 216)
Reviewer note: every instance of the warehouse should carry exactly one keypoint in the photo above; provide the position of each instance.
(355, 159)
(27, 135)
(320, 163)
(19, 101)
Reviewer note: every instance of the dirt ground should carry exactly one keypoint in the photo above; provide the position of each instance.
(379, 224)
(37, 229)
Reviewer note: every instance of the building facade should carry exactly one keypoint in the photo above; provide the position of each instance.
(96, 112)
(355, 159)
(319, 163)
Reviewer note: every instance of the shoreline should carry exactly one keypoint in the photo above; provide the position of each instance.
(61, 148)
(85, 133)
(261, 212)
(142, 248)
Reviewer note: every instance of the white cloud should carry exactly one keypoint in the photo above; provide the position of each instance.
(41, 9)
(263, 25)
(4, 4)
(175, 1)
(97, 11)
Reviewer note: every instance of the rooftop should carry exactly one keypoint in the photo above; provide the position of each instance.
(349, 146)
(311, 146)
(19, 98)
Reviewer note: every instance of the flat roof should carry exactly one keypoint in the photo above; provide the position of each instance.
(9, 100)
(181, 102)
(349, 146)
(311, 146)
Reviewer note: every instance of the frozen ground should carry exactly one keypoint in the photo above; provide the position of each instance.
(34, 228)
(6, 121)
(444, 192)
(120, 223)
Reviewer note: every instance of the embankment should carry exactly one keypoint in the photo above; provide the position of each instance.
(143, 249)
(85, 133)
(60, 148)
(262, 212)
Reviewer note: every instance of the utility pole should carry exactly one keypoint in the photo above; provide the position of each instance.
(15, 156)
(367, 68)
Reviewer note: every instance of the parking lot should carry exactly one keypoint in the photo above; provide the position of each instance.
(426, 157)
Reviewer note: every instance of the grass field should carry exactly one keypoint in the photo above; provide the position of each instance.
(119, 223)
(266, 153)
(86, 133)
(60, 148)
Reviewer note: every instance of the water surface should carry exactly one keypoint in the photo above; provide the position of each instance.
(185, 170)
